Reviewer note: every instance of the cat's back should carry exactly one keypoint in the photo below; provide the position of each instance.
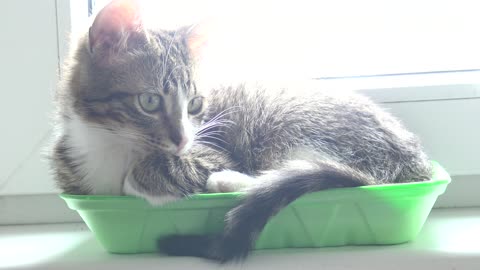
(270, 124)
(268, 121)
(294, 109)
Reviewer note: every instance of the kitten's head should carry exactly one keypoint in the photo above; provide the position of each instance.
(137, 82)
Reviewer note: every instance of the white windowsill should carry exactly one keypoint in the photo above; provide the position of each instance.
(412, 87)
(449, 240)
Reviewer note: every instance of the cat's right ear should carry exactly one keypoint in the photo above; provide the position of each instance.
(116, 27)
(199, 35)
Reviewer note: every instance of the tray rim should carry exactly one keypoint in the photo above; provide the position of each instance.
(440, 177)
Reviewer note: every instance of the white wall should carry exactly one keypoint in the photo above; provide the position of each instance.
(28, 65)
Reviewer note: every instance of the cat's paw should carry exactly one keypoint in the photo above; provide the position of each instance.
(228, 181)
(154, 200)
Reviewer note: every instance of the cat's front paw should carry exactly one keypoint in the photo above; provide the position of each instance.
(228, 181)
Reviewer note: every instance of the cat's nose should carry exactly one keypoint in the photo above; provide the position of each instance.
(181, 146)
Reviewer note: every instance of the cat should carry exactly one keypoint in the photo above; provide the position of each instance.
(132, 120)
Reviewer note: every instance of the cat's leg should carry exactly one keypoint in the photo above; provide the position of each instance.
(65, 169)
(161, 178)
(233, 181)
(229, 181)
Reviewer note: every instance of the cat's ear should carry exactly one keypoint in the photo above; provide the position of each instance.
(117, 26)
(197, 37)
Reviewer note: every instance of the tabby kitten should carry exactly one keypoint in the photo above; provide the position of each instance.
(132, 121)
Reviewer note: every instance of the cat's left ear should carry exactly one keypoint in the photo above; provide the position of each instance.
(116, 27)
(198, 36)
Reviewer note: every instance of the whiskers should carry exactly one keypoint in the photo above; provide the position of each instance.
(210, 133)
(217, 120)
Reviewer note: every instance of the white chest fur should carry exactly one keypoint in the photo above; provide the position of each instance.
(104, 157)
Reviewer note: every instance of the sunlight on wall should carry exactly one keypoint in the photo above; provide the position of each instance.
(308, 39)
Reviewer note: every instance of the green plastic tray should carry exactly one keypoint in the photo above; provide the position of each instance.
(371, 215)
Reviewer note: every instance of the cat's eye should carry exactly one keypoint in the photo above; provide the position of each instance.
(195, 105)
(149, 102)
